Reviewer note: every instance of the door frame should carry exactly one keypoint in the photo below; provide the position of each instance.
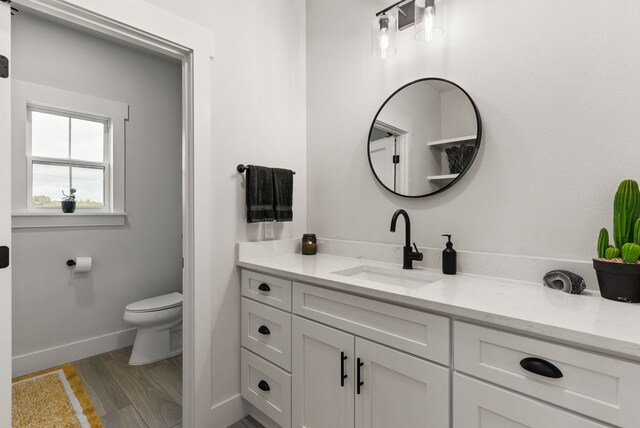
(150, 27)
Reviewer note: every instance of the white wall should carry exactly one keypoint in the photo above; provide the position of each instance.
(458, 116)
(51, 307)
(258, 117)
(556, 85)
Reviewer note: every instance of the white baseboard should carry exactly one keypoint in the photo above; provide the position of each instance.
(46, 358)
(228, 412)
(262, 419)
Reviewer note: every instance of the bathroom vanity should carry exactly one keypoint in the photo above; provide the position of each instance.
(342, 342)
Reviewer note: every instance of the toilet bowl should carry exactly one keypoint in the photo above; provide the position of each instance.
(159, 328)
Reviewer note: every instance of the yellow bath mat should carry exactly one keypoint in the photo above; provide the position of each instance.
(52, 398)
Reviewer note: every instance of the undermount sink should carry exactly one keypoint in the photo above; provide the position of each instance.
(402, 278)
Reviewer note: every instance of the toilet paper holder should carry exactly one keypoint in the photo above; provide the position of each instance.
(80, 264)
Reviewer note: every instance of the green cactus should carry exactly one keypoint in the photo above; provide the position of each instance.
(630, 253)
(603, 242)
(626, 211)
(611, 253)
(636, 232)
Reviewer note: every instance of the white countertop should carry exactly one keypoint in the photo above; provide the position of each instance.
(585, 320)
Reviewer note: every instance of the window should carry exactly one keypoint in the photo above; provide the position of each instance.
(67, 150)
(62, 140)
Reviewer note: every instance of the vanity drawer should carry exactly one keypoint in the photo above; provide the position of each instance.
(477, 404)
(595, 385)
(267, 332)
(267, 387)
(267, 289)
(416, 332)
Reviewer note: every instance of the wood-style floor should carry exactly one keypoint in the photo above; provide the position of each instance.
(125, 396)
(148, 396)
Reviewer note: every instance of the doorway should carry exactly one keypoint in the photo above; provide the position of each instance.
(97, 111)
(151, 28)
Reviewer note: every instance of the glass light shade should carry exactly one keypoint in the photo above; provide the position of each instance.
(429, 24)
(383, 36)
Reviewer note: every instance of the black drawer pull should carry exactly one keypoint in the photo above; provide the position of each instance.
(541, 367)
(264, 386)
(264, 330)
(264, 287)
(343, 375)
(359, 383)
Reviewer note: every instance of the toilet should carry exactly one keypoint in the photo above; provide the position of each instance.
(159, 328)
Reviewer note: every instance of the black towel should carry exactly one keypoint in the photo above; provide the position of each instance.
(259, 189)
(283, 194)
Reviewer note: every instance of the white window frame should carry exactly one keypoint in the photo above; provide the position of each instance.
(105, 165)
(27, 96)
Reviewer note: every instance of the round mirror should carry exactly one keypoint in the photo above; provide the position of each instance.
(424, 138)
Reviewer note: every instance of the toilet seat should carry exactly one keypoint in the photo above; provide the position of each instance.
(158, 303)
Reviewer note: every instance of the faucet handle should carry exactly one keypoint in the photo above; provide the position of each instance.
(418, 255)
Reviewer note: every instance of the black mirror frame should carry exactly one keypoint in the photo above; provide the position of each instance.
(464, 171)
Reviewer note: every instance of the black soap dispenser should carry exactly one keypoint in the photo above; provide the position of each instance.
(449, 258)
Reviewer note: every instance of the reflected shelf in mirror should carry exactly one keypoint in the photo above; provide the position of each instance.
(441, 144)
(447, 177)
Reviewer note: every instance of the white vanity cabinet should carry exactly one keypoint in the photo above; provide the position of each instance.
(314, 357)
(342, 381)
(328, 359)
(265, 379)
(323, 381)
(594, 385)
(399, 390)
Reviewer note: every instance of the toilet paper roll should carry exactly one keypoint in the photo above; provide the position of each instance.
(83, 264)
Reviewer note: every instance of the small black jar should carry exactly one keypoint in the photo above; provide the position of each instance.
(309, 244)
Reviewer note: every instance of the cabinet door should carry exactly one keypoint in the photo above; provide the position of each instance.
(399, 390)
(321, 398)
(479, 405)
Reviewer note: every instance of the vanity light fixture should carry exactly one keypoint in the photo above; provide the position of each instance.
(383, 36)
(428, 20)
(424, 15)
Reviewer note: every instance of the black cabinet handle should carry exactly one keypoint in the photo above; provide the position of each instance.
(264, 287)
(343, 375)
(264, 386)
(264, 330)
(541, 367)
(359, 383)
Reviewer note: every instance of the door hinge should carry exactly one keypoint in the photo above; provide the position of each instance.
(183, 263)
(4, 67)
(13, 9)
(396, 158)
(4, 257)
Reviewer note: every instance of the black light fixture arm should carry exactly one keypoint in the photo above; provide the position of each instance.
(397, 4)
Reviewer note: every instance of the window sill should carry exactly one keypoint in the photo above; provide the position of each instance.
(39, 220)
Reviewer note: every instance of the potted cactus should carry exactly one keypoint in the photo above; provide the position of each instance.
(617, 265)
(69, 201)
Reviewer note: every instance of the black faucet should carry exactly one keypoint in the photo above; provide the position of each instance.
(408, 255)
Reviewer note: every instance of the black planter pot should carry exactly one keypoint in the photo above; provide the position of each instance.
(618, 281)
(68, 206)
